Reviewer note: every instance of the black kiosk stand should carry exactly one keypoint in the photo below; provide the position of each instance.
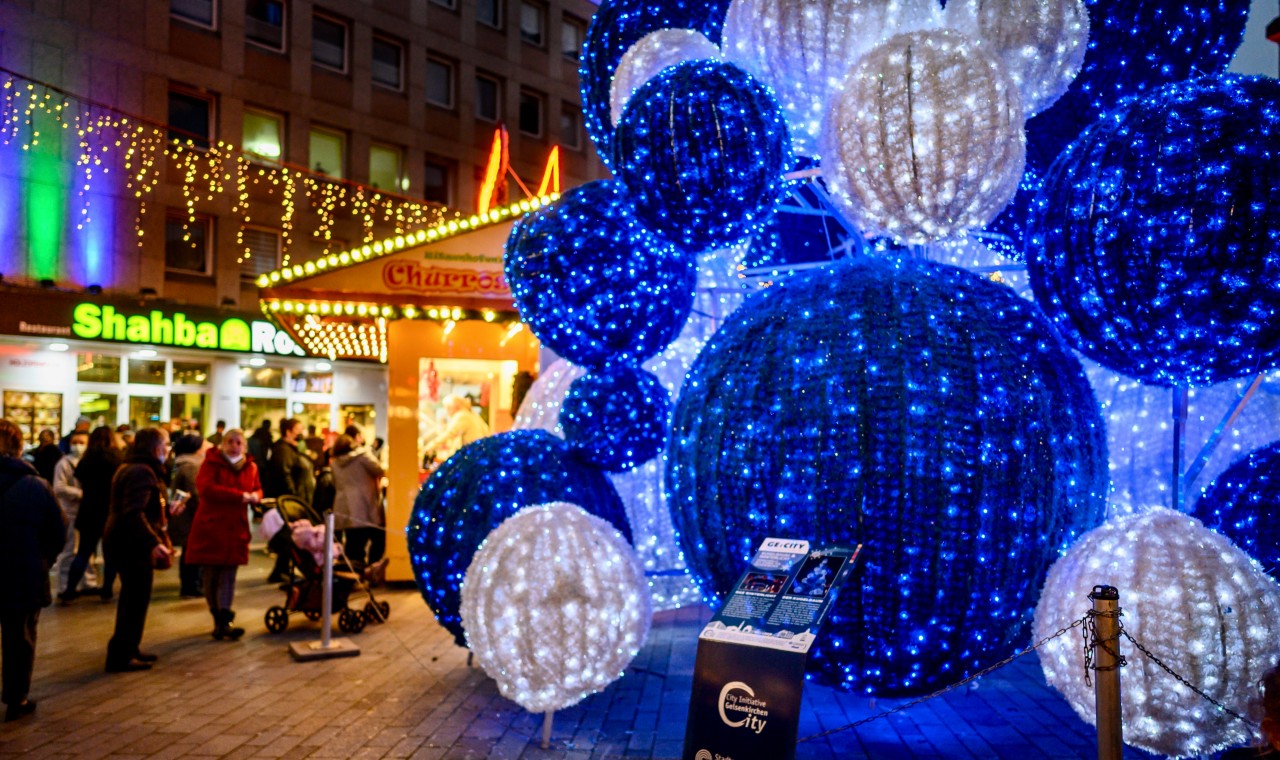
(749, 674)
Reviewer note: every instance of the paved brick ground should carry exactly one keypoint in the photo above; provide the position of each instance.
(411, 694)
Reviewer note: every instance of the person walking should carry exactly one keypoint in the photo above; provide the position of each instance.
(135, 541)
(94, 473)
(188, 456)
(34, 532)
(292, 471)
(219, 542)
(260, 443)
(45, 456)
(68, 492)
(220, 429)
(357, 506)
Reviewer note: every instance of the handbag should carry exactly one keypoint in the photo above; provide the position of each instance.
(163, 562)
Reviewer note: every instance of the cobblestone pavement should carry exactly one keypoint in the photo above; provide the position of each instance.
(411, 694)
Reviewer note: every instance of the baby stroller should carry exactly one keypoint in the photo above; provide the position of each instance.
(305, 594)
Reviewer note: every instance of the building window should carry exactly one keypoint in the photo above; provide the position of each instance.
(202, 12)
(489, 13)
(531, 113)
(190, 117)
(436, 182)
(329, 43)
(488, 98)
(533, 23)
(186, 244)
(262, 136)
(388, 63)
(144, 372)
(328, 151)
(570, 127)
(450, 4)
(264, 23)
(440, 83)
(98, 368)
(572, 31)
(384, 169)
(261, 252)
(190, 373)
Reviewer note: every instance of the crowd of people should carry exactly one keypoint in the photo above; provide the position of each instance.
(149, 497)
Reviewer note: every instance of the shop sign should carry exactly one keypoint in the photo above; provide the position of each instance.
(421, 277)
(92, 321)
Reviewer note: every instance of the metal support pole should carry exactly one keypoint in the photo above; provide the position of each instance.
(326, 605)
(1179, 443)
(1106, 676)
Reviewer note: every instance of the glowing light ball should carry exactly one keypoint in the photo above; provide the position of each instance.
(1243, 504)
(480, 486)
(925, 140)
(802, 49)
(1134, 46)
(1154, 240)
(593, 284)
(555, 606)
(702, 149)
(653, 53)
(640, 489)
(913, 407)
(1193, 599)
(615, 27)
(1041, 42)
(616, 418)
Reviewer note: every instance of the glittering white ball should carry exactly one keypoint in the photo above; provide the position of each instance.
(1193, 599)
(555, 606)
(803, 48)
(654, 52)
(925, 141)
(1042, 42)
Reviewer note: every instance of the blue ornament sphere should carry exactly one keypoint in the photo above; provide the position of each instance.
(593, 284)
(1135, 46)
(616, 418)
(476, 489)
(702, 149)
(615, 27)
(1243, 504)
(1154, 243)
(915, 408)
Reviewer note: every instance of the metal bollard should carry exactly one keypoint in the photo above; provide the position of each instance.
(1106, 680)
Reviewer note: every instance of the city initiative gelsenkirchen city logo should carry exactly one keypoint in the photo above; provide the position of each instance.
(747, 711)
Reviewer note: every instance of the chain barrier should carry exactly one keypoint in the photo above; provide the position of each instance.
(1221, 707)
(952, 687)
(1091, 642)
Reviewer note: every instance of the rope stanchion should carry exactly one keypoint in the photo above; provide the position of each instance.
(1102, 656)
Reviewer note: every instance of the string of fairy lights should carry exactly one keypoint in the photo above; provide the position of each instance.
(107, 141)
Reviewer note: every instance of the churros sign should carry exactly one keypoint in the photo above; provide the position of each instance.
(419, 277)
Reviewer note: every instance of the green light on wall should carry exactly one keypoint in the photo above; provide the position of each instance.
(45, 192)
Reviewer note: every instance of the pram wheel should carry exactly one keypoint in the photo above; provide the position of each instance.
(351, 621)
(377, 612)
(277, 619)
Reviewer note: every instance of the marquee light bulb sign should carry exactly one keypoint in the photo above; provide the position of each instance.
(92, 321)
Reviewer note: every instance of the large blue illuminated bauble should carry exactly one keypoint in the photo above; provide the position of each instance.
(615, 27)
(593, 283)
(915, 408)
(616, 418)
(1134, 46)
(1243, 504)
(1155, 241)
(476, 489)
(712, 173)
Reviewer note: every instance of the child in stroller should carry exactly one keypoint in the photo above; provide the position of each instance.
(292, 528)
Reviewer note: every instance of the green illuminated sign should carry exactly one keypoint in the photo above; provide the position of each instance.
(92, 321)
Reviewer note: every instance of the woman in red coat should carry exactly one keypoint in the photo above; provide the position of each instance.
(219, 541)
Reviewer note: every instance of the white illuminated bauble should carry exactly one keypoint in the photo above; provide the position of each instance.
(926, 139)
(641, 489)
(654, 52)
(555, 606)
(1041, 42)
(803, 48)
(1192, 598)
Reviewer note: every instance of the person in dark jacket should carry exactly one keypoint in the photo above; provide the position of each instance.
(292, 471)
(228, 483)
(260, 444)
(135, 542)
(34, 531)
(188, 456)
(94, 473)
(46, 455)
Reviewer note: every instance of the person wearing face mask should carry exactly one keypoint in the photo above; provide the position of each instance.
(219, 541)
(69, 493)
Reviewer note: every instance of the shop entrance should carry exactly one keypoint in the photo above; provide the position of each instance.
(100, 408)
(145, 411)
(485, 383)
(254, 410)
